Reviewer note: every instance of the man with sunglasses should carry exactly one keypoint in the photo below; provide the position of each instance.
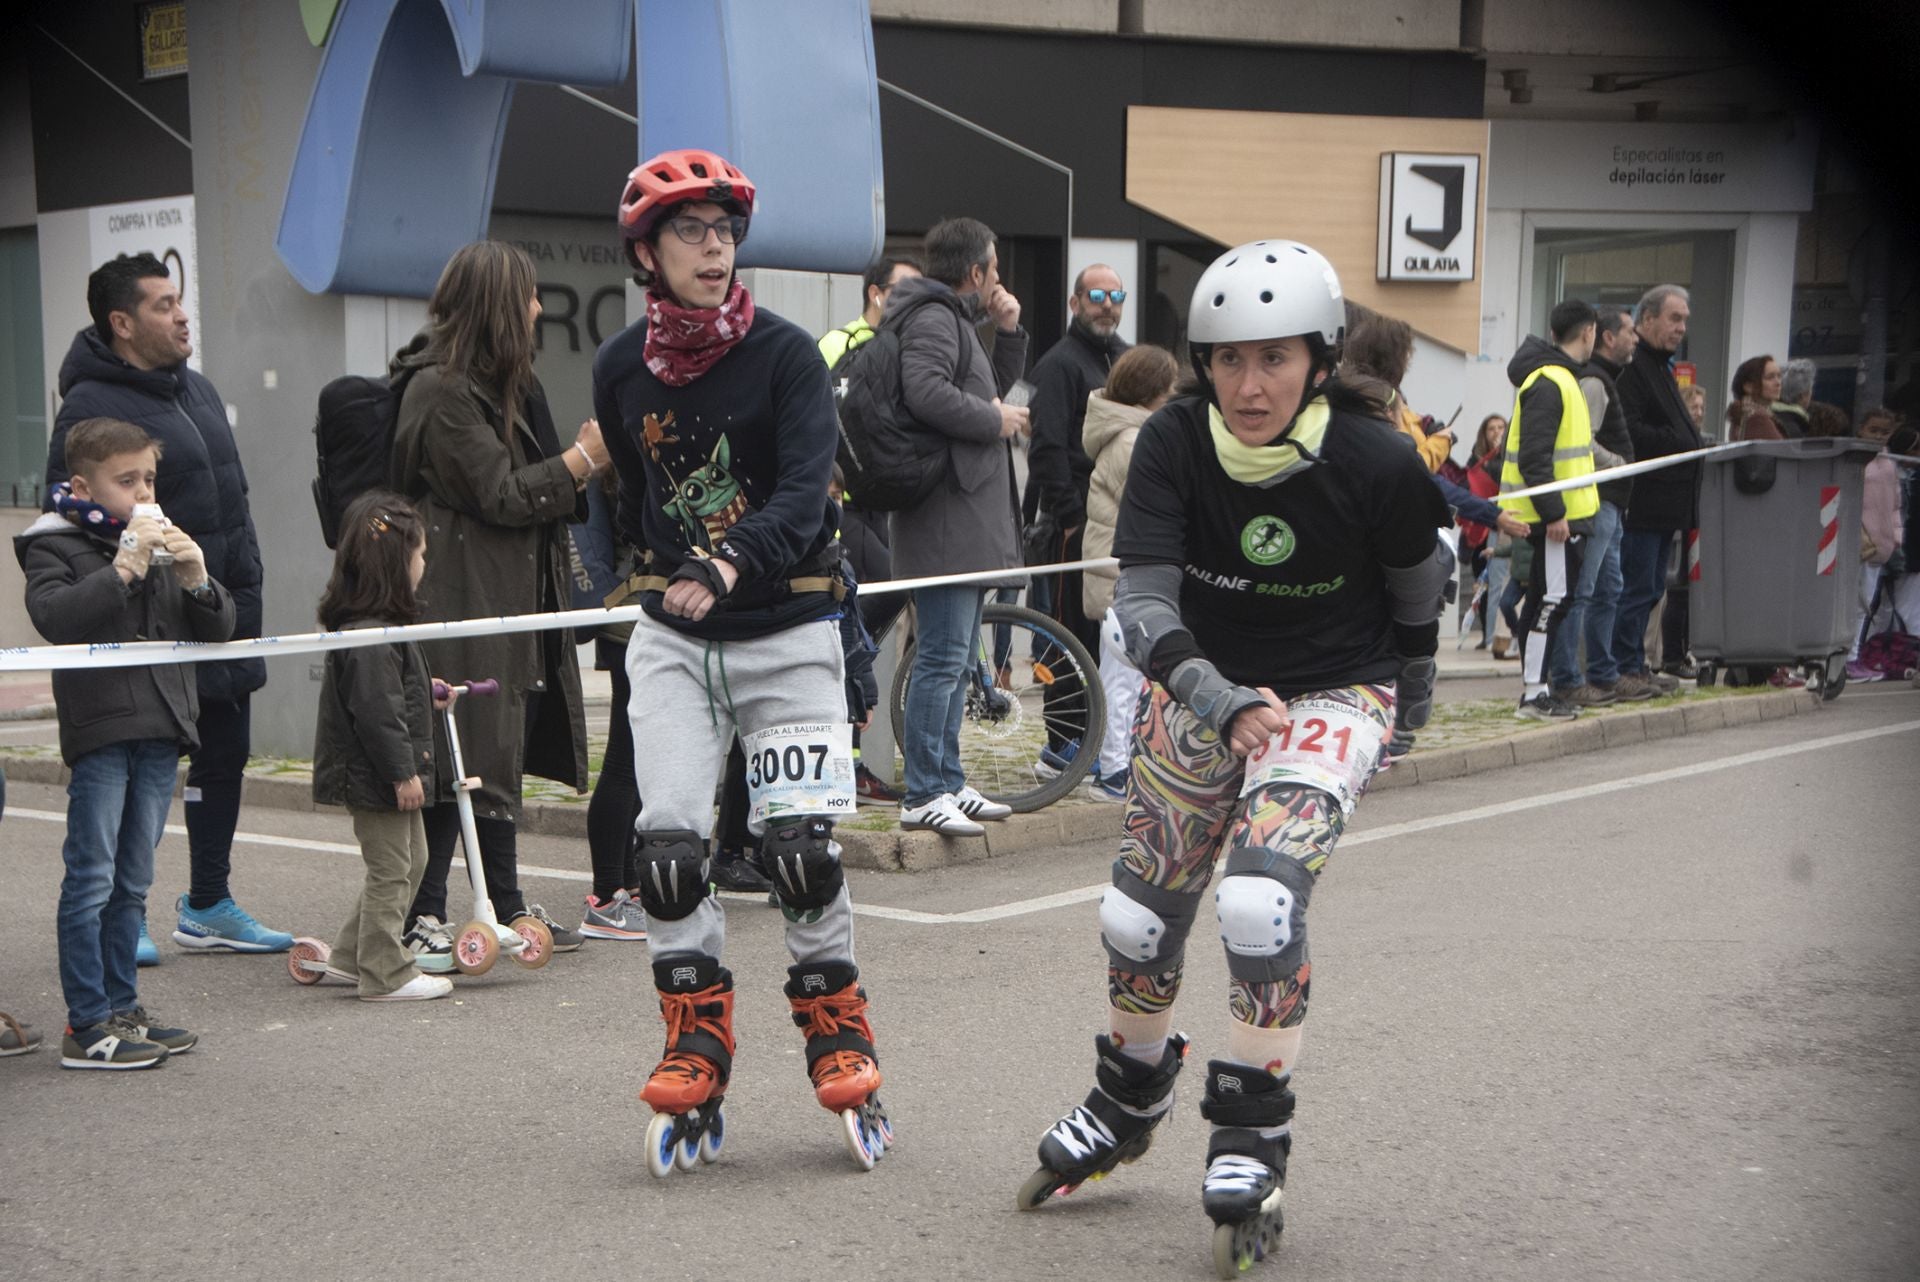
(720, 422)
(1059, 471)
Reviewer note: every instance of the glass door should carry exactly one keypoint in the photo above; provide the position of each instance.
(1619, 266)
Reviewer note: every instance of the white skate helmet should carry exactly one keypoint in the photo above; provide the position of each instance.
(1267, 289)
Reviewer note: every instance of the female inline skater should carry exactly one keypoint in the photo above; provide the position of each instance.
(1279, 575)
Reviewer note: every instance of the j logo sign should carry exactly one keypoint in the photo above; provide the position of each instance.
(1429, 208)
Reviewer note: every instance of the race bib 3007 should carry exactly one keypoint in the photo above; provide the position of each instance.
(799, 770)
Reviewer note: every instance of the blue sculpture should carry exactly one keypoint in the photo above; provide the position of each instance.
(397, 157)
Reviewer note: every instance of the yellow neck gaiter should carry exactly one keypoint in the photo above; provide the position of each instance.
(1266, 464)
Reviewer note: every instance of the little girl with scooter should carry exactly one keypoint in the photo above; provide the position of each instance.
(373, 745)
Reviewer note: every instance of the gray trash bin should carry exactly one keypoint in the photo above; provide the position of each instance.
(1779, 557)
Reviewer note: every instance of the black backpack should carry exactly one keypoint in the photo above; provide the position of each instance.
(889, 461)
(353, 444)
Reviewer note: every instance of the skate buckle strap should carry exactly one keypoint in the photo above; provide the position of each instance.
(698, 1022)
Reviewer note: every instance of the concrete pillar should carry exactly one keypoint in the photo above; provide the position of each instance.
(270, 345)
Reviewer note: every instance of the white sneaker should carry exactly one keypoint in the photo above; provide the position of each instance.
(431, 944)
(942, 815)
(974, 804)
(420, 988)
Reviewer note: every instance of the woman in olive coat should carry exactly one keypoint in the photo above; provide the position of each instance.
(497, 491)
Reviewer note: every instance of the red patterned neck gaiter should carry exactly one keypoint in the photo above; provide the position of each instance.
(684, 342)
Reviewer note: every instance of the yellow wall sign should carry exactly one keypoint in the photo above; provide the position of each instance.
(163, 39)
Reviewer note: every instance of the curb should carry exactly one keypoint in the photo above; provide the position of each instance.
(1066, 823)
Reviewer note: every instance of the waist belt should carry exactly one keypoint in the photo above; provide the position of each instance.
(658, 583)
(644, 580)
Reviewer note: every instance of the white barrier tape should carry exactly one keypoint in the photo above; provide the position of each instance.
(1620, 473)
(886, 586)
(136, 654)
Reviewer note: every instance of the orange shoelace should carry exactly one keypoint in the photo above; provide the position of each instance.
(826, 1016)
(682, 1014)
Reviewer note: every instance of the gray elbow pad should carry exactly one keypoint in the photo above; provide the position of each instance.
(1419, 591)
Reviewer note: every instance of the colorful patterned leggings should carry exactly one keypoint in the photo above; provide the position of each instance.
(1184, 808)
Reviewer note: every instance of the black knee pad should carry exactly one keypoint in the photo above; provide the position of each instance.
(673, 871)
(1262, 903)
(800, 857)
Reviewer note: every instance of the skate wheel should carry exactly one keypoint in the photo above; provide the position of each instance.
(539, 949)
(1236, 1247)
(476, 948)
(857, 1143)
(686, 1154)
(307, 961)
(661, 1145)
(716, 1135)
(881, 1124)
(1040, 1186)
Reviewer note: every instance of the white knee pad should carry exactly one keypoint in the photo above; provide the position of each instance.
(1131, 929)
(1256, 916)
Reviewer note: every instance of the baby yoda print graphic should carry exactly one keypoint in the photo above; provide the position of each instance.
(708, 501)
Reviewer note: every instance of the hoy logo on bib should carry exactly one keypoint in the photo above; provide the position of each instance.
(1266, 540)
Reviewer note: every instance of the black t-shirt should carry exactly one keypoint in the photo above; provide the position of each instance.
(1283, 584)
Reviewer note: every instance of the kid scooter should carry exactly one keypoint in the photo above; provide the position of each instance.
(479, 943)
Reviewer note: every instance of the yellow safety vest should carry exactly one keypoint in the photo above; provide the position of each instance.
(1572, 450)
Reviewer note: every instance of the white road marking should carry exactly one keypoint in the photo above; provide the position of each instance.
(1087, 894)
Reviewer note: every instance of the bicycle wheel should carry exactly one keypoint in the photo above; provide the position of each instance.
(1048, 698)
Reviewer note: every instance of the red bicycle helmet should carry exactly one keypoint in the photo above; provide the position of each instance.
(680, 178)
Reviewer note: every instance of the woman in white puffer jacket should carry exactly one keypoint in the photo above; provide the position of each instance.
(1140, 382)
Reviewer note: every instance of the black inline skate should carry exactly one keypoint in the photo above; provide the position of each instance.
(1245, 1169)
(1114, 1125)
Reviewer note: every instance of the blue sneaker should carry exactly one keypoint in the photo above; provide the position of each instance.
(226, 925)
(1111, 787)
(1054, 762)
(144, 953)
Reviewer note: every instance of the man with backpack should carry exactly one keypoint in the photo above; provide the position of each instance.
(880, 279)
(131, 364)
(966, 519)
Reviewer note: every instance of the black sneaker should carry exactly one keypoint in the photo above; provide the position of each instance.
(108, 1045)
(564, 940)
(733, 870)
(141, 1026)
(1544, 707)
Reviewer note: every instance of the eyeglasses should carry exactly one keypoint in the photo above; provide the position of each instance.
(731, 230)
(1102, 295)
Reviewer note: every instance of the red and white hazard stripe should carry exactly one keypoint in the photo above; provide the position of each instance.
(1829, 529)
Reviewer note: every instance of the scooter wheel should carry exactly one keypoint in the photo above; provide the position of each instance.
(539, 949)
(475, 948)
(307, 961)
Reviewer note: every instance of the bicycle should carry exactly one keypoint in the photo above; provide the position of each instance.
(1030, 704)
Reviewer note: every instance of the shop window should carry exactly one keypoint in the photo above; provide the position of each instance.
(1174, 267)
(23, 391)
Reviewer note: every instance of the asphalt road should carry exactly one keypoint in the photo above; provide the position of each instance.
(1664, 1027)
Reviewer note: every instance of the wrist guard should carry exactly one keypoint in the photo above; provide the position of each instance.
(702, 570)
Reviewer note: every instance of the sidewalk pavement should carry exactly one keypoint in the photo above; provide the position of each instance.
(1468, 736)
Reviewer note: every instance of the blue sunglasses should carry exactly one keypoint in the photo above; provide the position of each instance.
(1102, 295)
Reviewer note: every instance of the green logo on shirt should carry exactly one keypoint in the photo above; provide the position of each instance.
(1267, 540)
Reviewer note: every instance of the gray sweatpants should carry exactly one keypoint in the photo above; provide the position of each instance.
(690, 698)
